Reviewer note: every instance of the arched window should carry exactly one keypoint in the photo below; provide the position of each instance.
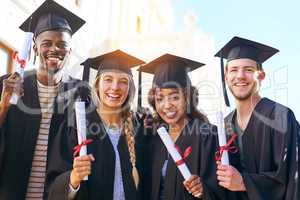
(5, 59)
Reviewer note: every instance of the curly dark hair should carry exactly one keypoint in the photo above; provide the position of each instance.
(192, 99)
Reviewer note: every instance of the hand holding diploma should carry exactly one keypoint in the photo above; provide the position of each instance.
(162, 132)
(82, 164)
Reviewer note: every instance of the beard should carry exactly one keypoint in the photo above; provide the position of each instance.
(245, 96)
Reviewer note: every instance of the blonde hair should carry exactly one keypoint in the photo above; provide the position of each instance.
(127, 116)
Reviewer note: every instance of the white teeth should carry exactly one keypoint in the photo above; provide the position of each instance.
(113, 95)
(240, 84)
(171, 114)
(53, 59)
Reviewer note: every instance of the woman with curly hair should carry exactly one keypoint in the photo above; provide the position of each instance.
(174, 101)
(113, 163)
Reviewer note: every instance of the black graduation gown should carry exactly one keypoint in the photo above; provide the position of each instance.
(100, 184)
(18, 136)
(270, 150)
(201, 162)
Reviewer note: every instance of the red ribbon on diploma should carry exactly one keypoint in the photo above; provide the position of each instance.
(184, 155)
(21, 62)
(79, 146)
(227, 147)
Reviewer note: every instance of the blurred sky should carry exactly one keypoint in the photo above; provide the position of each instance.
(273, 22)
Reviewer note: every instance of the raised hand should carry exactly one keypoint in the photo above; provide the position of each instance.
(12, 84)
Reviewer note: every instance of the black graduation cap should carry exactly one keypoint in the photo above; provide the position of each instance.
(238, 48)
(170, 70)
(116, 60)
(51, 16)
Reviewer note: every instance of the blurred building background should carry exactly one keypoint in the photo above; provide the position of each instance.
(143, 28)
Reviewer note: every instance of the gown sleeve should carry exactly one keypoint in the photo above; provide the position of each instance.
(282, 181)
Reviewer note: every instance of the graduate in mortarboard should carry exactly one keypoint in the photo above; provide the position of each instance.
(266, 165)
(174, 101)
(115, 155)
(30, 131)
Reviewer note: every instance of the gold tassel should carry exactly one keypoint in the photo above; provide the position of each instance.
(135, 176)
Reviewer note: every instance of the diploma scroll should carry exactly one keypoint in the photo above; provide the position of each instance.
(20, 60)
(163, 134)
(222, 138)
(81, 127)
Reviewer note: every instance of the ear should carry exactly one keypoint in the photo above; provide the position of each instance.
(34, 49)
(225, 75)
(261, 75)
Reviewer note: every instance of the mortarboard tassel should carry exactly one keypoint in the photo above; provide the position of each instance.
(223, 84)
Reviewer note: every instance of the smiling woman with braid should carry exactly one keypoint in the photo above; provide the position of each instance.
(113, 163)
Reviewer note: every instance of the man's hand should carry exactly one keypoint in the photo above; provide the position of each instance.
(194, 186)
(230, 178)
(12, 84)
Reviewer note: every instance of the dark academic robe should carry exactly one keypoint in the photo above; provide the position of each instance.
(203, 140)
(270, 154)
(100, 184)
(18, 136)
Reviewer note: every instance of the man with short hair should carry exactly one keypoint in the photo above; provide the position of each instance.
(266, 165)
(31, 132)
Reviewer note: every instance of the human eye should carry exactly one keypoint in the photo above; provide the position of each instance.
(174, 97)
(62, 45)
(124, 81)
(107, 79)
(158, 99)
(250, 69)
(46, 44)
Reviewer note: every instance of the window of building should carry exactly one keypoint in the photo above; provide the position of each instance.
(5, 59)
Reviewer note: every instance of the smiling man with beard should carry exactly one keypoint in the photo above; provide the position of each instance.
(266, 165)
(31, 132)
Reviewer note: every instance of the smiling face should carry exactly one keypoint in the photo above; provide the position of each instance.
(170, 104)
(243, 78)
(51, 48)
(113, 89)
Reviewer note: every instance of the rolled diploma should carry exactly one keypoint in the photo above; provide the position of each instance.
(168, 142)
(23, 55)
(222, 137)
(81, 127)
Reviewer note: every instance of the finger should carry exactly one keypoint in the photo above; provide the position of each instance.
(196, 189)
(198, 195)
(195, 181)
(222, 167)
(221, 173)
(83, 158)
(92, 158)
(78, 164)
(224, 184)
(223, 178)
(84, 169)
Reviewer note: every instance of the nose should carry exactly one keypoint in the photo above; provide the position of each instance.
(167, 103)
(240, 73)
(115, 85)
(53, 48)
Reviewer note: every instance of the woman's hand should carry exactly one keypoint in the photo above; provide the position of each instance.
(194, 186)
(82, 166)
